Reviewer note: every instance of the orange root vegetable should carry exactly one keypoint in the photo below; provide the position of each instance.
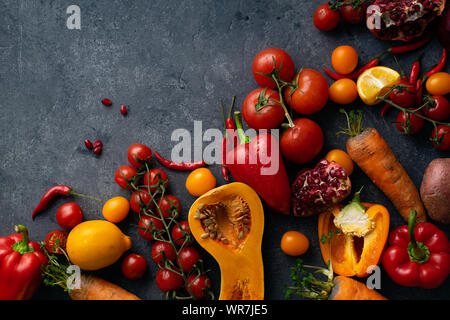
(372, 154)
(349, 289)
(94, 288)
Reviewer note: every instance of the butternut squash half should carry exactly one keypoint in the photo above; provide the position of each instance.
(228, 222)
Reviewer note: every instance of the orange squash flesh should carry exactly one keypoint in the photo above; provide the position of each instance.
(239, 256)
(350, 255)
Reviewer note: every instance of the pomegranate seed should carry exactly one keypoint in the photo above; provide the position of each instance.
(123, 110)
(88, 144)
(98, 143)
(106, 102)
(97, 150)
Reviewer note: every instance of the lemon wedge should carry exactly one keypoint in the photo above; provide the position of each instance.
(375, 82)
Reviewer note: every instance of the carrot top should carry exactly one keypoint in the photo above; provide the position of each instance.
(354, 123)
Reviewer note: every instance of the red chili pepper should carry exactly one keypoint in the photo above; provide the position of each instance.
(181, 166)
(386, 107)
(419, 92)
(21, 263)
(59, 190)
(333, 75)
(411, 46)
(250, 163)
(415, 71)
(355, 74)
(439, 66)
(418, 256)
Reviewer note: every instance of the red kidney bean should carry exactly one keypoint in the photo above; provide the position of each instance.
(106, 102)
(88, 144)
(123, 110)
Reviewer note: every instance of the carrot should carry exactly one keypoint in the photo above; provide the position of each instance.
(94, 288)
(346, 288)
(372, 154)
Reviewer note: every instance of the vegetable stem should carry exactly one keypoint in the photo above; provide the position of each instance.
(243, 139)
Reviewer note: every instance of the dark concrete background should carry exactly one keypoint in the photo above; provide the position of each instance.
(170, 62)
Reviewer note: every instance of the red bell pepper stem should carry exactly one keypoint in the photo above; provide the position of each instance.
(243, 139)
(439, 66)
(411, 46)
(22, 246)
(418, 252)
(180, 166)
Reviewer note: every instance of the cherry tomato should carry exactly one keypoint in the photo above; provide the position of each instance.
(138, 154)
(408, 123)
(56, 239)
(341, 158)
(145, 225)
(123, 175)
(200, 181)
(260, 111)
(311, 95)
(181, 232)
(170, 206)
(440, 109)
(353, 15)
(441, 138)
(161, 249)
(326, 19)
(344, 59)
(189, 256)
(438, 84)
(69, 215)
(197, 285)
(116, 209)
(404, 94)
(303, 142)
(343, 91)
(141, 198)
(294, 243)
(152, 178)
(167, 280)
(134, 266)
(264, 63)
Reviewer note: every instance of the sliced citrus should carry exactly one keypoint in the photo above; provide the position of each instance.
(375, 82)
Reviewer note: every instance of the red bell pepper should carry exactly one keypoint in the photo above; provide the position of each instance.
(250, 162)
(419, 256)
(21, 263)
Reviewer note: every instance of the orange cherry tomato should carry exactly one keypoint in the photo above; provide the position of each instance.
(294, 243)
(439, 84)
(343, 91)
(116, 209)
(200, 181)
(341, 158)
(344, 59)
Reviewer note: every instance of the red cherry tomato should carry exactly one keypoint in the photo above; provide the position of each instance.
(197, 285)
(189, 256)
(161, 249)
(311, 95)
(123, 175)
(152, 178)
(141, 198)
(138, 154)
(326, 19)
(260, 111)
(303, 142)
(167, 280)
(145, 225)
(405, 96)
(441, 138)
(353, 15)
(181, 233)
(134, 266)
(56, 239)
(264, 63)
(170, 206)
(69, 215)
(408, 123)
(439, 110)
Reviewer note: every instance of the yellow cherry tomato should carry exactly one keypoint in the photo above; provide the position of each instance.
(200, 181)
(116, 209)
(341, 158)
(344, 59)
(294, 243)
(343, 91)
(439, 84)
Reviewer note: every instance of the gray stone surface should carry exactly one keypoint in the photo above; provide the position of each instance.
(169, 62)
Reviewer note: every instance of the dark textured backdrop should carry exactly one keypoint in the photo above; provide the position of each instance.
(170, 62)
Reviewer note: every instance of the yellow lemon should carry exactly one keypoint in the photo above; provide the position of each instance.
(375, 82)
(96, 244)
(116, 209)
